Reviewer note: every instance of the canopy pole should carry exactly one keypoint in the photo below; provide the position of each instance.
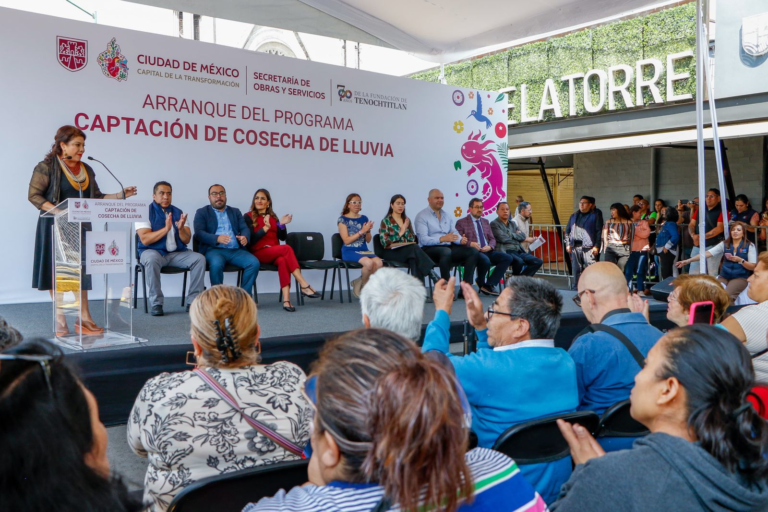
(702, 218)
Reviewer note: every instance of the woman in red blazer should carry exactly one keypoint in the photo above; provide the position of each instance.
(267, 231)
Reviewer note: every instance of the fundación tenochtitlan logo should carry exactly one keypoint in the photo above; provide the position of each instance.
(71, 53)
(113, 63)
(344, 93)
(371, 99)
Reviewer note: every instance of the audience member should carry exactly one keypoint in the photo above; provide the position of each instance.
(707, 446)
(638, 258)
(617, 236)
(750, 323)
(162, 243)
(224, 237)
(764, 224)
(523, 220)
(188, 430)
(686, 241)
(53, 445)
(517, 374)
(743, 212)
(440, 240)
(658, 211)
(667, 240)
(582, 237)
(605, 364)
(636, 199)
(9, 336)
(510, 239)
(645, 211)
(740, 259)
(355, 230)
(479, 235)
(266, 233)
(389, 433)
(714, 232)
(692, 288)
(394, 300)
(398, 240)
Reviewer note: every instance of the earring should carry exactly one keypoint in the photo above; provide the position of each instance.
(258, 347)
(194, 361)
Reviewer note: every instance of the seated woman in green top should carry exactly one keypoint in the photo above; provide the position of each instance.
(399, 241)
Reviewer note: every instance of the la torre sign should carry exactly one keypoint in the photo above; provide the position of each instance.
(609, 87)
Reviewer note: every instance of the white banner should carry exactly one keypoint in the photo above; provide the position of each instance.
(195, 114)
(106, 252)
(107, 210)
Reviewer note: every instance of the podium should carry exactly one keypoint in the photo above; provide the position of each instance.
(99, 261)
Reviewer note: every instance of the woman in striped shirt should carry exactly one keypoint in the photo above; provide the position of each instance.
(390, 433)
(617, 236)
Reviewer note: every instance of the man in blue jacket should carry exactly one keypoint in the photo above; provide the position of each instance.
(517, 374)
(583, 237)
(223, 234)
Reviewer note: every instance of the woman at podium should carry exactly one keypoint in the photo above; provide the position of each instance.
(60, 176)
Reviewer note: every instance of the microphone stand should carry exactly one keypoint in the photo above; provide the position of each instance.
(111, 174)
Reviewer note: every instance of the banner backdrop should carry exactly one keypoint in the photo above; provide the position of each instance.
(194, 114)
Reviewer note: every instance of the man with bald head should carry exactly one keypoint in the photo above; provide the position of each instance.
(605, 367)
(439, 239)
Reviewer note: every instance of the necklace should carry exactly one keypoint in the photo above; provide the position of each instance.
(78, 182)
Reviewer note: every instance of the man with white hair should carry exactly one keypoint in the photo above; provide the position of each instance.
(394, 300)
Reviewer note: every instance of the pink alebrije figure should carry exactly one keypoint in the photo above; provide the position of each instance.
(482, 159)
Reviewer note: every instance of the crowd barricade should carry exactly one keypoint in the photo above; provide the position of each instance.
(553, 252)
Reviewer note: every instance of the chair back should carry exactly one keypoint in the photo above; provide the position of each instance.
(539, 441)
(195, 244)
(231, 492)
(336, 244)
(307, 246)
(136, 247)
(617, 422)
(378, 249)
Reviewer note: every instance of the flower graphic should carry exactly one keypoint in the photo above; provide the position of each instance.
(458, 127)
(490, 111)
(471, 95)
(457, 212)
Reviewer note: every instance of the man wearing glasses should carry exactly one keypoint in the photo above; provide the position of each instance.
(714, 232)
(517, 374)
(583, 237)
(223, 237)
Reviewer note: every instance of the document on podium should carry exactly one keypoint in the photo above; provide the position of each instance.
(537, 243)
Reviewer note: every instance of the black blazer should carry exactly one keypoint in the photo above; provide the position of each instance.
(206, 225)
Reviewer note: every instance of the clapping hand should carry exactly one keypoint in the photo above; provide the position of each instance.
(637, 305)
(286, 219)
(168, 221)
(267, 223)
(182, 221)
(366, 227)
(243, 240)
(443, 295)
(475, 313)
(406, 224)
(583, 445)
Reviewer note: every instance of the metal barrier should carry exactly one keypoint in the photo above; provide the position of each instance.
(552, 253)
(757, 237)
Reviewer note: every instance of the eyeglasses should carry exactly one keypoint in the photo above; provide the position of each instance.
(218, 194)
(355, 202)
(577, 298)
(490, 312)
(43, 360)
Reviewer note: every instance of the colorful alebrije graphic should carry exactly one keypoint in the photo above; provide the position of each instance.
(471, 95)
(478, 112)
(458, 127)
(113, 63)
(482, 159)
(457, 212)
(501, 130)
(472, 187)
(458, 98)
(490, 111)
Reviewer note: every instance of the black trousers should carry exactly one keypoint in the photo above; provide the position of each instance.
(667, 262)
(581, 258)
(524, 263)
(418, 262)
(500, 260)
(446, 256)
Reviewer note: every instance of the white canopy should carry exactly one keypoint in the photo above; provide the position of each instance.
(436, 30)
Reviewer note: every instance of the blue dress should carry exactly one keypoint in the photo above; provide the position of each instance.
(357, 249)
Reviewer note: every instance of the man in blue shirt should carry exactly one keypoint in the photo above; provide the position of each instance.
(223, 234)
(517, 374)
(440, 240)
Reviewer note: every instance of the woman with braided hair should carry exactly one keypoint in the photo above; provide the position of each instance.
(189, 424)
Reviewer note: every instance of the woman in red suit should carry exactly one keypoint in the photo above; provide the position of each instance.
(265, 245)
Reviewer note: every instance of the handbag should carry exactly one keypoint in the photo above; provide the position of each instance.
(257, 425)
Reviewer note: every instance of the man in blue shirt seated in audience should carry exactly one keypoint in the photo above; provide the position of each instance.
(517, 374)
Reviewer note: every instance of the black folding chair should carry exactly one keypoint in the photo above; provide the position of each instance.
(539, 441)
(378, 250)
(309, 249)
(227, 268)
(617, 422)
(268, 267)
(165, 270)
(231, 492)
(336, 244)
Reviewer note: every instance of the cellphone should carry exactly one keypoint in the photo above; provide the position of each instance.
(702, 313)
(683, 201)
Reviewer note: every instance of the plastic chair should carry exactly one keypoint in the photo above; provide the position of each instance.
(539, 441)
(227, 268)
(309, 249)
(617, 422)
(378, 250)
(336, 244)
(165, 270)
(231, 492)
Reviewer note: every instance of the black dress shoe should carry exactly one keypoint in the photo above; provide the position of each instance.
(157, 311)
(289, 308)
(487, 291)
(313, 295)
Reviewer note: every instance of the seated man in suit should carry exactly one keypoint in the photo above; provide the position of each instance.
(479, 235)
(163, 242)
(223, 237)
(517, 374)
(511, 239)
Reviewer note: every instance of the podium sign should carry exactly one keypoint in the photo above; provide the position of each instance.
(107, 210)
(106, 252)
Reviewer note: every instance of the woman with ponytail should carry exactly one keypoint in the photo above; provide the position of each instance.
(707, 448)
(183, 421)
(390, 433)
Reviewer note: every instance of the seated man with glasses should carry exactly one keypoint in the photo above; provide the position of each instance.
(517, 374)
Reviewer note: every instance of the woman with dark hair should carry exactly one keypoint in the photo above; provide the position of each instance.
(638, 258)
(390, 432)
(267, 232)
(53, 445)
(706, 450)
(617, 236)
(743, 212)
(355, 231)
(764, 224)
(399, 241)
(667, 240)
(60, 176)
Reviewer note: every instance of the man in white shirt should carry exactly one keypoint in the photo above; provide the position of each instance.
(163, 242)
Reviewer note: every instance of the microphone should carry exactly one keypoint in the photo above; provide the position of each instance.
(110, 173)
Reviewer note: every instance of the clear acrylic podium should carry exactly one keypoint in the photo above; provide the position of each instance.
(110, 295)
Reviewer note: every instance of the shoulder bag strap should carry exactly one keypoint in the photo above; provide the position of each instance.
(259, 426)
(636, 354)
